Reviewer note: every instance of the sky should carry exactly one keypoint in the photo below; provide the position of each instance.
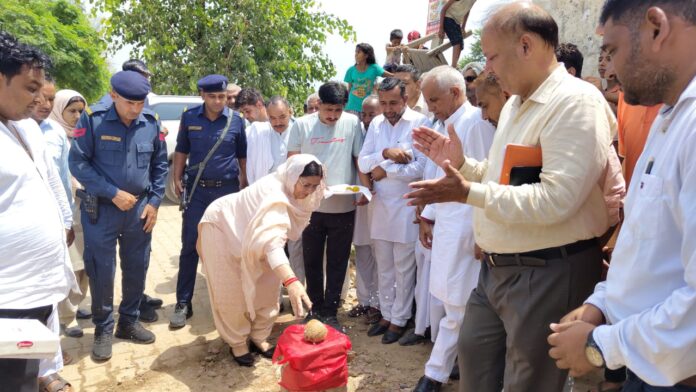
(372, 21)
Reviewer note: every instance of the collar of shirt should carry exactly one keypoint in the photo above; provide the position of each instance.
(421, 104)
(50, 125)
(200, 111)
(111, 115)
(457, 115)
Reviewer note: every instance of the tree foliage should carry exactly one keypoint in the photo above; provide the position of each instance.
(275, 46)
(475, 53)
(62, 31)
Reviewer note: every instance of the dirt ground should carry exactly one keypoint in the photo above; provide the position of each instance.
(194, 358)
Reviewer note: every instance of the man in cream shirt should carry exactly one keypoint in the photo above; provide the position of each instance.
(388, 157)
(542, 257)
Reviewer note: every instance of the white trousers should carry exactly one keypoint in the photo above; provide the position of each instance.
(446, 321)
(396, 266)
(296, 259)
(55, 364)
(422, 288)
(366, 276)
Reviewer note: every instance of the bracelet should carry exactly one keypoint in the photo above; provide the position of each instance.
(290, 281)
(426, 220)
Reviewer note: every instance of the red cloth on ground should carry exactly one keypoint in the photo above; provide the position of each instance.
(309, 366)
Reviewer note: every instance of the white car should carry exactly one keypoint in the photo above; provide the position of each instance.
(169, 108)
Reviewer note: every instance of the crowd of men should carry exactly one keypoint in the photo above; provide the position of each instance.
(499, 265)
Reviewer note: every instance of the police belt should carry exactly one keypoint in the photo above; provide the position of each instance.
(540, 257)
(104, 200)
(215, 183)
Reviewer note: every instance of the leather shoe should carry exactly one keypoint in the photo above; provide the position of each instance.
(426, 384)
(83, 314)
(411, 338)
(152, 301)
(266, 354)
(378, 328)
(332, 322)
(246, 360)
(393, 334)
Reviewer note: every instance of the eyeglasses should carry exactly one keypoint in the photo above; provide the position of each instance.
(309, 187)
(469, 79)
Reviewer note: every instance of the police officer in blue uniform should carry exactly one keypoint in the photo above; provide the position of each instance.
(211, 126)
(119, 156)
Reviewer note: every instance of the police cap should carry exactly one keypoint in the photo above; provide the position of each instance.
(212, 83)
(130, 85)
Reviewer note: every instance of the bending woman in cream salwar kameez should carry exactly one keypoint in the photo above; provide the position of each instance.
(241, 243)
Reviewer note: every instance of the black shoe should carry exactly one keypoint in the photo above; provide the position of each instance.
(311, 316)
(358, 310)
(83, 314)
(332, 321)
(411, 338)
(156, 303)
(391, 336)
(378, 328)
(101, 349)
(147, 313)
(246, 360)
(182, 312)
(426, 384)
(135, 332)
(455, 372)
(266, 354)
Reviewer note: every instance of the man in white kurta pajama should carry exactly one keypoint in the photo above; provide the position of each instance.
(453, 269)
(388, 156)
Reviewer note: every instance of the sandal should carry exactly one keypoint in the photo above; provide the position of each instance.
(54, 383)
(67, 358)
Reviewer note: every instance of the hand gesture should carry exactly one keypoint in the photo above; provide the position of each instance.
(451, 187)
(439, 148)
(124, 200)
(587, 313)
(298, 297)
(150, 216)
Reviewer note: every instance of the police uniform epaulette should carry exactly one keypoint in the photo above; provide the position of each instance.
(151, 113)
(96, 108)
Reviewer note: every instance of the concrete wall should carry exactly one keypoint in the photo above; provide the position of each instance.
(577, 21)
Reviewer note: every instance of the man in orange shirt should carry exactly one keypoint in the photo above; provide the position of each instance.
(634, 124)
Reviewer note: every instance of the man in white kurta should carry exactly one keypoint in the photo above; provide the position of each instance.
(453, 271)
(388, 156)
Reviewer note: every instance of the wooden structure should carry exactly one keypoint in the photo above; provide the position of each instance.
(426, 59)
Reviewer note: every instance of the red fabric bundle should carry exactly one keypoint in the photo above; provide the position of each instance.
(312, 366)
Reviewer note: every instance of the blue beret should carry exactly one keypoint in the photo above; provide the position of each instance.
(130, 85)
(212, 83)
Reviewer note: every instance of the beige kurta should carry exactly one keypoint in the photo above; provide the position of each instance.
(235, 234)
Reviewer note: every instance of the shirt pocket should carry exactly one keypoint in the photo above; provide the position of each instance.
(145, 151)
(650, 205)
(111, 152)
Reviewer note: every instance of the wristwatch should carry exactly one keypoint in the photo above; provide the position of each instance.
(593, 352)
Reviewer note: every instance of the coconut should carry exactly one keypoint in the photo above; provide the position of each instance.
(315, 331)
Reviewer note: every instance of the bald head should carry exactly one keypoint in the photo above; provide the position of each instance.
(370, 109)
(232, 92)
(518, 18)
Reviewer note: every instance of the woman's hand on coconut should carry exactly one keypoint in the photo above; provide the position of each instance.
(298, 297)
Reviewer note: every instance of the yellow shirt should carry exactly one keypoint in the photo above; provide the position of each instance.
(572, 122)
(459, 9)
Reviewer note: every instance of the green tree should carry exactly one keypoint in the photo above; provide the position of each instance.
(475, 53)
(275, 46)
(62, 31)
